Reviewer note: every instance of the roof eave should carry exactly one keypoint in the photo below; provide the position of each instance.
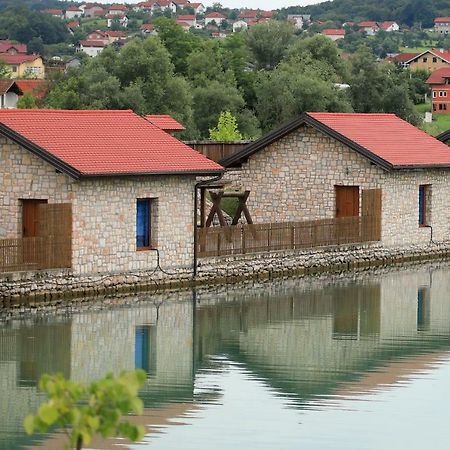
(444, 137)
(421, 166)
(57, 163)
(197, 172)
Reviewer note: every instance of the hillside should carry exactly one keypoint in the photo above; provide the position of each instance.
(406, 12)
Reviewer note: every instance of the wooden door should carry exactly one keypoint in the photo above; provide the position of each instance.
(30, 217)
(347, 201)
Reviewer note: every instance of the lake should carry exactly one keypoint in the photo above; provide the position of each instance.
(351, 361)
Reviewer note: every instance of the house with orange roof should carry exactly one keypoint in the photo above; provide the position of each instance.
(190, 19)
(369, 27)
(214, 18)
(122, 20)
(12, 48)
(374, 171)
(430, 60)
(72, 12)
(165, 122)
(184, 25)
(389, 26)
(24, 66)
(163, 5)
(334, 33)
(59, 13)
(117, 10)
(91, 47)
(148, 29)
(111, 192)
(37, 88)
(92, 9)
(442, 25)
(440, 90)
(198, 8)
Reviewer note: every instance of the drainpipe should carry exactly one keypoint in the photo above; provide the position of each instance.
(198, 185)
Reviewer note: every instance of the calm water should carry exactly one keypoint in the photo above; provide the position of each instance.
(354, 363)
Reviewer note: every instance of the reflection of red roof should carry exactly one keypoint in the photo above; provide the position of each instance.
(17, 59)
(106, 142)
(388, 137)
(37, 88)
(333, 32)
(165, 122)
(439, 76)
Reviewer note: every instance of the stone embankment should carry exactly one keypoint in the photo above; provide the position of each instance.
(58, 285)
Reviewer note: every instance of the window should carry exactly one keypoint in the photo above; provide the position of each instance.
(424, 204)
(145, 348)
(14, 68)
(143, 223)
(442, 93)
(434, 94)
(425, 59)
(434, 59)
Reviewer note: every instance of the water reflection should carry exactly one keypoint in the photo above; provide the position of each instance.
(298, 345)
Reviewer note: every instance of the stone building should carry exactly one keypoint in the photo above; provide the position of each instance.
(319, 165)
(130, 186)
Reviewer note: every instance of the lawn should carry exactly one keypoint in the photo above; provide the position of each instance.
(440, 123)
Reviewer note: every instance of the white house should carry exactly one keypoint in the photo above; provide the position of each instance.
(334, 33)
(92, 10)
(198, 8)
(73, 11)
(389, 26)
(9, 94)
(370, 27)
(298, 20)
(162, 5)
(187, 18)
(239, 25)
(117, 10)
(91, 48)
(123, 20)
(215, 17)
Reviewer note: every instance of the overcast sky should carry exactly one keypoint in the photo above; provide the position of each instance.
(265, 4)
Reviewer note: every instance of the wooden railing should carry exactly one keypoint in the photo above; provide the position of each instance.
(242, 239)
(35, 253)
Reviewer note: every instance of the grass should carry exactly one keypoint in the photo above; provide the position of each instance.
(440, 123)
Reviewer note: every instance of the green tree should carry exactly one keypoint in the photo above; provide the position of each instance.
(268, 43)
(226, 129)
(27, 101)
(86, 411)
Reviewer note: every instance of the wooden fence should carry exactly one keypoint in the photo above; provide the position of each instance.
(217, 150)
(242, 239)
(51, 249)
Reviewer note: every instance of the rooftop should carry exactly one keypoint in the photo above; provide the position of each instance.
(102, 143)
(439, 76)
(165, 122)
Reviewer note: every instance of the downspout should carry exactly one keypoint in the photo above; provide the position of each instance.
(198, 185)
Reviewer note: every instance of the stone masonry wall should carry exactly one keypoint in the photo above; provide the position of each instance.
(104, 212)
(294, 179)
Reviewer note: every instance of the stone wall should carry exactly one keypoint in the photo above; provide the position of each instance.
(294, 179)
(104, 212)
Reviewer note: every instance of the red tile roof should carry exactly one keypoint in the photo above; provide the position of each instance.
(74, 8)
(118, 8)
(9, 85)
(388, 137)
(403, 57)
(7, 45)
(186, 17)
(17, 59)
(147, 26)
(55, 12)
(368, 24)
(37, 88)
(442, 20)
(439, 76)
(93, 43)
(333, 32)
(165, 122)
(88, 143)
(386, 25)
(215, 15)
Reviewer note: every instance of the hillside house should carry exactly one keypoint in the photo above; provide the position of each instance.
(72, 12)
(12, 48)
(120, 187)
(369, 27)
(111, 18)
(92, 10)
(431, 60)
(9, 94)
(163, 5)
(91, 47)
(248, 15)
(148, 29)
(189, 19)
(214, 18)
(442, 25)
(183, 25)
(389, 26)
(334, 33)
(58, 13)
(239, 25)
(198, 8)
(402, 59)
(117, 10)
(440, 90)
(37, 88)
(320, 165)
(24, 66)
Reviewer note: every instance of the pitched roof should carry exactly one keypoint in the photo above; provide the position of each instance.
(9, 85)
(55, 12)
(147, 27)
(165, 122)
(185, 17)
(6, 45)
(334, 32)
(439, 76)
(444, 54)
(403, 57)
(93, 43)
(118, 8)
(102, 143)
(384, 139)
(74, 8)
(385, 25)
(17, 59)
(215, 15)
(368, 24)
(442, 20)
(37, 88)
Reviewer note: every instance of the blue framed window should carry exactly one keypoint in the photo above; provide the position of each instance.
(143, 223)
(141, 355)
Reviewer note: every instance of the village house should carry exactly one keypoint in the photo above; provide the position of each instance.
(239, 25)
(442, 25)
(72, 26)
(59, 13)
(117, 10)
(440, 90)
(326, 166)
(334, 33)
(36, 88)
(108, 191)
(92, 10)
(163, 5)
(198, 8)
(9, 94)
(12, 48)
(148, 29)
(248, 15)
(429, 60)
(187, 18)
(402, 59)
(24, 66)
(389, 26)
(369, 27)
(111, 18)
(214, 17)
(72, 12)
(91, 47)
(183, 25)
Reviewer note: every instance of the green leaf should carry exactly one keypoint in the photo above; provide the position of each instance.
(48, 414)
(28, 424)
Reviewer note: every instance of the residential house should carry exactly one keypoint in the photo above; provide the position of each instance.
(183, 25)
(266, 14)
(117, 10)
(298, 20)
(72, 26)
(248, 15)
(369, 27)
(219, 34)
(148, 29)
(72, 12)
(389, 26)
(165, 122)
(98, 35)
(323, 165)
(12, 48)
(334, 33)
(239, 25)
(442, 25)
(92, 10)
(181, 4)
(72, 63)
(24, 66)
(91, 47)
(214, 17)
(59, 13)
(9, 94)
(115, 36)
(430, 60)
(187, 18)
(128, 187)
(198, 8)
(402, 59)
(146, 7)
(440, 90)
(122, 20)
(163, 5)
